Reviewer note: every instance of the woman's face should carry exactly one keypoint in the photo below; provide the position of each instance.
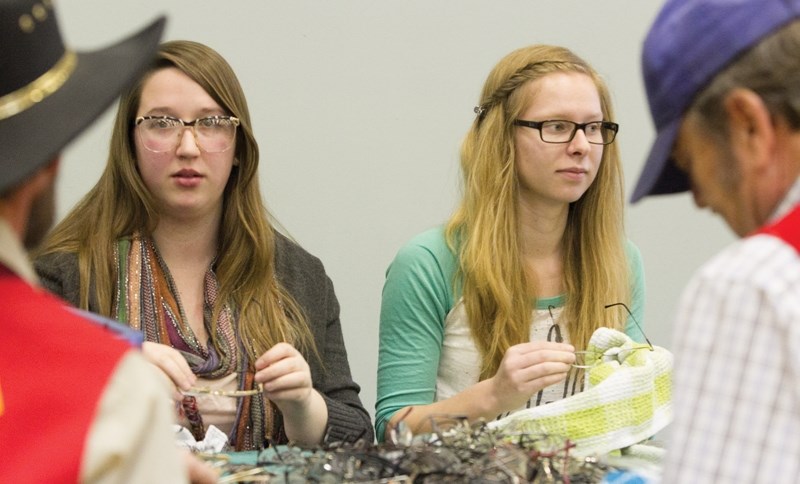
(557, 173)
(186, 181)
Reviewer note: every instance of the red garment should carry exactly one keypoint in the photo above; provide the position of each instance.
(54, 367)
(787, 228)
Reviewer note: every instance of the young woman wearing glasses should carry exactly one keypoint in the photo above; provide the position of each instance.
(174, 240)
(481, 317)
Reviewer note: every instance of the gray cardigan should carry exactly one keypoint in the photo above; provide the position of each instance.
(304, 277)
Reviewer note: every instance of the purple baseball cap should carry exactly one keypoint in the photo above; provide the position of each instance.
(688, 44)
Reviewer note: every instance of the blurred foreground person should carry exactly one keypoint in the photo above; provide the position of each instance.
(77, 403)
(723, 81)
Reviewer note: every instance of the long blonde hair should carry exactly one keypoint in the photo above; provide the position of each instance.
(120, 205)
(484, 230)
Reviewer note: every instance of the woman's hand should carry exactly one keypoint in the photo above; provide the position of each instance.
(286, 378)
(527, 368)
(171, 362)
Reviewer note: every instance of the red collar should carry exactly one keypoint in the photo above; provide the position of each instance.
(786, 228)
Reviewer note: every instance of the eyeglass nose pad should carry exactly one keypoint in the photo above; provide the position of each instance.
(192, 136)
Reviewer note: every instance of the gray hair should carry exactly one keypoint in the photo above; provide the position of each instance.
(771, 69)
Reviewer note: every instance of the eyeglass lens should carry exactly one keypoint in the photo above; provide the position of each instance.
(214, 134)
(559, 131)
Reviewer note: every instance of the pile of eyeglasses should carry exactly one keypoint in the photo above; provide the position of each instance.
(454, 451)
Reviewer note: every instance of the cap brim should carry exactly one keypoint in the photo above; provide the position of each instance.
(35, 136)
(660, 175)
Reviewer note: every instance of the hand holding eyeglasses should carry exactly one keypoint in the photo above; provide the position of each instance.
(172, 363)
(282, 374)
(527, 368)
(285, 374)
(286, 377)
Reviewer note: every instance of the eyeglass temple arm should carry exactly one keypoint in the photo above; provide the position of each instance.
(634, 320)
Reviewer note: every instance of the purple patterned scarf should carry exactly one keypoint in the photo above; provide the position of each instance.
(146, 300)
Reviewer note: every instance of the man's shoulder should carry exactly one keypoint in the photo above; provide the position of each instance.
(51, 322)
(757, 261)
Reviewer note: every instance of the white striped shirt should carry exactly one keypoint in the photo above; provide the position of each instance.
(737, 366)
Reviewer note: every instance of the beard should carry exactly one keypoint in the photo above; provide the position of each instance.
(42, 214)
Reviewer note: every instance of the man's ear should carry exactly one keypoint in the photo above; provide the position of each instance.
(750, 128)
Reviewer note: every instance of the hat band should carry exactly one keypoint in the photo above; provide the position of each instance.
(45, 85)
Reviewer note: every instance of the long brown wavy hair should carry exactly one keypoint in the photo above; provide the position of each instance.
(484, 230)
(120, 205)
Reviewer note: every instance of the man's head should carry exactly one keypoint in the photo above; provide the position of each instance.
(722, 79)
(50, 93)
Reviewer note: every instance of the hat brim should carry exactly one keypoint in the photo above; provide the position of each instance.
(660, 175)
(34, 137)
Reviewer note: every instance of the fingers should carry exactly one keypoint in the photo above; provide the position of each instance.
(536, 376)
(276, 353)
(171, 362)
(284, 373)
(547, 380)
(529, 367)
(294, 386)
(531, 354)
(552, 349)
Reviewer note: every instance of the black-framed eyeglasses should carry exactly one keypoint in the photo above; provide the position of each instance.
(161, 134)
(562, 131)
(649, 344)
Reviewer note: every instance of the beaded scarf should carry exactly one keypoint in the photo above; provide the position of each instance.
(146, 300)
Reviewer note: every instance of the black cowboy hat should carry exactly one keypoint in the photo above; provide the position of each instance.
(49, 93)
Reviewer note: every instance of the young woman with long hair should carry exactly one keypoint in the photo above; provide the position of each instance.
(482, 316)
(175, 241)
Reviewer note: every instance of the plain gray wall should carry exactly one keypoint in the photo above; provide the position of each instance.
(359, 107)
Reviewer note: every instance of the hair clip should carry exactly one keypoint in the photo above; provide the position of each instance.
(480, 110)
